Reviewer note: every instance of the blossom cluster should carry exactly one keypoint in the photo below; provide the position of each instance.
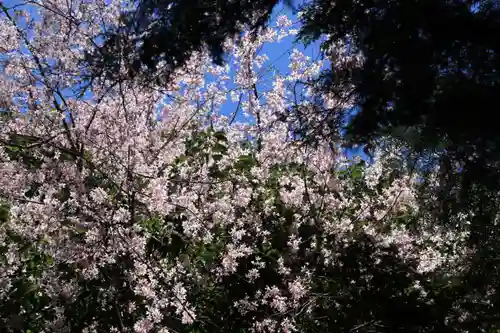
(147, 208)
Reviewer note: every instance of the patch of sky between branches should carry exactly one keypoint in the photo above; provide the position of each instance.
(278, 59)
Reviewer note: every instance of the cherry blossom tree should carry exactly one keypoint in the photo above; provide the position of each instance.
(134, 207)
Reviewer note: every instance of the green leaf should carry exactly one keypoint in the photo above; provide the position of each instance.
(245, 162)
(219, 148)
(4, 213)
(153, 225)
(357, 173)
(221, 136)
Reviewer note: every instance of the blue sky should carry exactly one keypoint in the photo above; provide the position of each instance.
(278, 53)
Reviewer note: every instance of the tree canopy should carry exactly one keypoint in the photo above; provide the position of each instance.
(423, 72)
(131, 200)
